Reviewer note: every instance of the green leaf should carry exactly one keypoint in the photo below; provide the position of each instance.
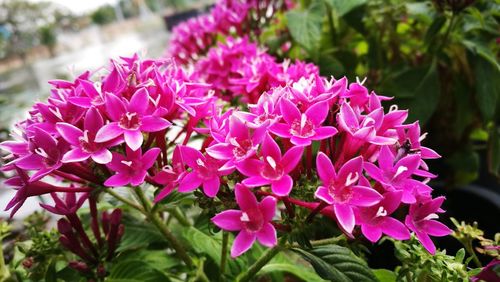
(384, 275)
(296, 270)
(434, 29)
(425, 96)
(305, 26)
(487, 87)
(158, 259)
(494, 151)
(138, 234)
(329, 65)
(135, 270)
(343, 7)
(336, 263)
(482, 50)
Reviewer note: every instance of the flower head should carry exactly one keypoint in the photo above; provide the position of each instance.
(131, 168)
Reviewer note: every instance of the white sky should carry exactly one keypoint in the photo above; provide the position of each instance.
(80, 6)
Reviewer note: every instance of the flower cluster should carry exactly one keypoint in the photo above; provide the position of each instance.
(240, 68)
(194, 37)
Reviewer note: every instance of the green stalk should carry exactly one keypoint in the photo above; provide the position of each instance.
(124, 200)
(160, 225)
(261, 262)
(223, 255)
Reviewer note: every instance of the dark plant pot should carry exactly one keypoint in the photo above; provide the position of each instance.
(172, 20)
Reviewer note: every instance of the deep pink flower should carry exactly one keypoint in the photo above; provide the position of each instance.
(375, 220)
(302, 128)
(409, 139)
(130, 119)
(205, 171)
(83, 142)
(420, 219)
(169, 175)
(272, 168)
(132, 168)
(397, 175)
(253, 221)
(341, 190)
(67, 205)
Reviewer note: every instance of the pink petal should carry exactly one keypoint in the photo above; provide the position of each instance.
(237, 128)
(289, 111)
(149, 158)
(30, 162)
(93, 120)
(372, 233)
(271, 148)
(347, 118)
(364, 196)
(228, 220)
(411, 162)
(242, 243)
(119, 179)
(426, 242)
(435, 228)
(138, 178)
(374, 172)
(190, 156)
(133, 139)
(268, 208)
(300, 141)
(291, 158)
(428, 153)
(317, 113)
(69, 132)
(221, 151)
(108, 132)
(88, 88)
(139, 101)
(386, 159)
(153, 124)
(114, 107)
(116, 162)
(189, 182)
(353, 167)
(211, 186)
(45, 140)
(255, 181)
(281, 129)
(245, 198)
(103, 156)
(75, 155)
(325, 168)
(283, 186)
(345, 217)
(249, 167)
(395, 229)
(267, 235)
(323, 194)
(164, 193)
(324, 132)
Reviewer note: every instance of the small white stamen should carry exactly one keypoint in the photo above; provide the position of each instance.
(200, 162)
(351, 178)
(368, 121)
(41, 152)
(244, 217)
(303, 120)
(130, 115)
(422, 137)
(127, 163)
(271, 162)
(381, 212)
(234, 142)
(361, 82)
(400, 170)
(393, 108)
(431, 216)
(85, 136)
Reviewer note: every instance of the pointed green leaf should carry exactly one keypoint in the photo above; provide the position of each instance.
(305, 26)
(487, 87)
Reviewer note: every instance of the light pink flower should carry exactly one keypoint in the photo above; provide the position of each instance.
(132, 168)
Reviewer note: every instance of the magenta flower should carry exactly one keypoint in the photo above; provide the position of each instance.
(340, 190)
(45, 156)
(68, 205)
(302, 128)
(253, 221)
(240, 143)
(84, 141)
(132, 168)
(205, 171)
(398, 175)
(169, 175)
(375, 220)
(130, 119)
(273, 168)
(420, 219)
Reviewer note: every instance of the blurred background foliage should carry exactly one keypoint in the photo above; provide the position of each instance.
(438, 58)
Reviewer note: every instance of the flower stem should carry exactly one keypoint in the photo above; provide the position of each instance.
(160, 225)
(261, 262)
(223, 256)
(124, 200)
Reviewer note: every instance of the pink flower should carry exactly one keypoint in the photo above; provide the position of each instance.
(205, 171)
(397, 176)
(375, 220)
(253, 221)
(420, 219)
(340, 190)
(130, 119)
(272, 168)
(132, 168)
(84, 141)
(302, 128)
(68, 205)
(170, 175)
